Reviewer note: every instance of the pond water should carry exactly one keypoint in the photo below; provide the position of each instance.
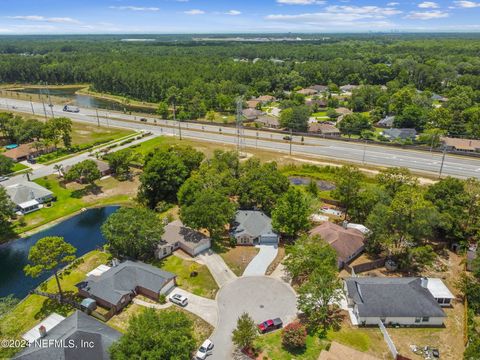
(85, 100)
(82, 231)
(322, 185)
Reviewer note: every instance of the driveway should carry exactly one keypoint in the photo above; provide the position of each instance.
(220, 271)
(262, 297)
(260, 263)
(205, 308)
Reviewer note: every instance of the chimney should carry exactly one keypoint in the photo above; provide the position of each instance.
(424, 282)
(345, 224)
(43, 331)
(115, 262)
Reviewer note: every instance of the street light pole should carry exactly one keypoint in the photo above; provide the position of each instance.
(291, 139)
(443, 160)
(364, 151)
(175, 119)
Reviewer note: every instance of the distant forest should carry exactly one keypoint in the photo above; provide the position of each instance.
(211, 74)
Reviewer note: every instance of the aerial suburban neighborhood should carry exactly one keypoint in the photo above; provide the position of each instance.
(278, 180)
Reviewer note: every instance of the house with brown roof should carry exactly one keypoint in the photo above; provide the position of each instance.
(267, 121)
(307, 92)
(264, 99)
(102, 166)
(343, 111)
(323, 128)
(459, 144)
(252, 104)
(251, 114)
(348, 243)
(318, 102)
(21, 152)
(319, 88)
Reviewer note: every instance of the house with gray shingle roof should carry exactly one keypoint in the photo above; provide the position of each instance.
(400, 134)
(74, 329)
(28, 196)
(253, 227)
(387, 122)
(404, 301)
(116, 287)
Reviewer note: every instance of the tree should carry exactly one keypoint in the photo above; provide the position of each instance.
(156, 335)
(57, 129)
(393, 179)
(133, 232)
(245, 333)
(6, 165)
(354, 124)
(210, 210)
(162, 110)
(294, 336)
(295, 118)
(85, 172)
(7, 303)
(58, 168)
(7, 210)
(412, 116)
(348, 186)
(291, 213)
(365, 201)
(49, 255)
(119, 162)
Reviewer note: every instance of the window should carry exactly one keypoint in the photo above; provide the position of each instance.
(417, 319)
(425, 319)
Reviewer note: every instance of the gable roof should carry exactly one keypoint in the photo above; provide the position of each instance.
(387, 121)
(400, 133)
(251, 113)
(462, 144)
(392, 297)
(268, 120)
(346, 242)
(177, 232)
(21, 151)
(266, 98)
(319, 88)
(123, 279)
(252, 223)
(323, 128)
(76, 327)
(27, 191)
(307, 91)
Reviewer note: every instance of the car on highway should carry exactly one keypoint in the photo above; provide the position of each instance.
(204, 350)
(179, 299)
(288, 138)
(143, 120)
(3, 178)
(270, 325)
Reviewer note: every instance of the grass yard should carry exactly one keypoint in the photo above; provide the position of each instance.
(272, 349)
(34, 308)
(202, 285)
(19, 167)
(237, 258)
(369, 340)
(91, 134)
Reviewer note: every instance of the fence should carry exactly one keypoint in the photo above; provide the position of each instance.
(375, 264)
(388, 340)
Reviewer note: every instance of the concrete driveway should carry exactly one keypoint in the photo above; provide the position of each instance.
(205, 308)
(220, 271)
(261, 296)
(260, 263)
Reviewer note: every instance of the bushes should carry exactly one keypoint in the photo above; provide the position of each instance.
(294, 336)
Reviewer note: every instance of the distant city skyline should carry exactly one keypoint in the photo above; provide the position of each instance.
(247, 16)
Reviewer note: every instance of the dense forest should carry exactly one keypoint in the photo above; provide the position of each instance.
(209, 75)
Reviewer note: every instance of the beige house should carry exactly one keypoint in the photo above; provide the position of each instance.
(268, 122)
(253, 227)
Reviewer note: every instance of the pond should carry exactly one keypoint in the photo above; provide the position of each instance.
(82, 231)
(85, 100)
(322, 184)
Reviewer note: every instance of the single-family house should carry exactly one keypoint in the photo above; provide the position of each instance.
(265, 99)
(307, 92)
(316, 102)
(323, 128)
(102, 166)
(348, 243)
(251, 114)
(178, 236)
(28, 196)
(253, 227)
(387, 121)
(396, 301)
(252, 104)
(21, 152)
(342, 111)
(319, 88)
(348, 88)
(267, 121)
(459, 144)
(116, 287)
(75, 329)
(439, 98)
(400, 134)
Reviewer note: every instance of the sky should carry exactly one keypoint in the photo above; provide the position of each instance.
(245, 16)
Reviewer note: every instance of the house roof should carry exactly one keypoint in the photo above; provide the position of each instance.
(27, 191)
(348, 87)
(387, 121)
(76, 327)
(177, 232)
(462, 144)
(400, 133)
(308, 91)
(268, 120)
(323, 128)
(102, 165)
(251, 113)
(123, 279)
(343, 111)
(438, 289)
(23, 150)
(392, 297)
(252, 104)
(266, 98)
(319, 102)
(253, 223)
(319, 88)
(346, 242)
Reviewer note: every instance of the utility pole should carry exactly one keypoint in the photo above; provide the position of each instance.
(43, 104)
(175, 119)
(33, 111)
(98, 119)
(239, 123)
(364, 151)
(291, 139)
(49, 100)
(443, 160)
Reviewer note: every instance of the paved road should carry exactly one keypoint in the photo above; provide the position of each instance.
(219, 270)
(260, 263)
(260, 296)
(377, 155)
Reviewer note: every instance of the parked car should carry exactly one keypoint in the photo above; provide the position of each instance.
(143, 120)
(179, 299)
(270, 325)
(3, 178)
(204, 350)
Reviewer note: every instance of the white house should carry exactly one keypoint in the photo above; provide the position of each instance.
(28, 196)
(397, 301)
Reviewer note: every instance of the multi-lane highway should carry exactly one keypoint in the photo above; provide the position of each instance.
(374, 155)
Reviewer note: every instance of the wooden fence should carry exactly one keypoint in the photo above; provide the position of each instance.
(375, 264)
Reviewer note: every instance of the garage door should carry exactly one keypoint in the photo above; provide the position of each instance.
(268, 239)
(201, 248)
(169, 286)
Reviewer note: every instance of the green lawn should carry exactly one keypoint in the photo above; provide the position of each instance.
(271, 347)
(34, 308)
(202, 285)
(19, 167)
(91, 134)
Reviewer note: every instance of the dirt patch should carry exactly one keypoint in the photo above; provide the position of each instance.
(278, 259)
(239, 257)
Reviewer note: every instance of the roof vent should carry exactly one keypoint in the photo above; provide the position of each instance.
(424, 282)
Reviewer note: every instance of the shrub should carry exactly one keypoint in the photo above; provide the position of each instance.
(162, 299)
(294, 336)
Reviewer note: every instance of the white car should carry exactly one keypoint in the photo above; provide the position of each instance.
(204, 350)
(179, 299)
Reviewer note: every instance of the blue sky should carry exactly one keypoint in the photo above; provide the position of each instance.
(206, 16)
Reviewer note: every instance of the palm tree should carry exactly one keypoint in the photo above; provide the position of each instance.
(59, 169)
(28, 172)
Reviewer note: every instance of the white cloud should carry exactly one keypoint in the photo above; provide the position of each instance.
(135, 8)
(427, 15)
(65, 20)
(194, 12)
(363, 11)
(300, 2)
(393, 4)
(428, 5)
(233, 12)
(467, 4)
